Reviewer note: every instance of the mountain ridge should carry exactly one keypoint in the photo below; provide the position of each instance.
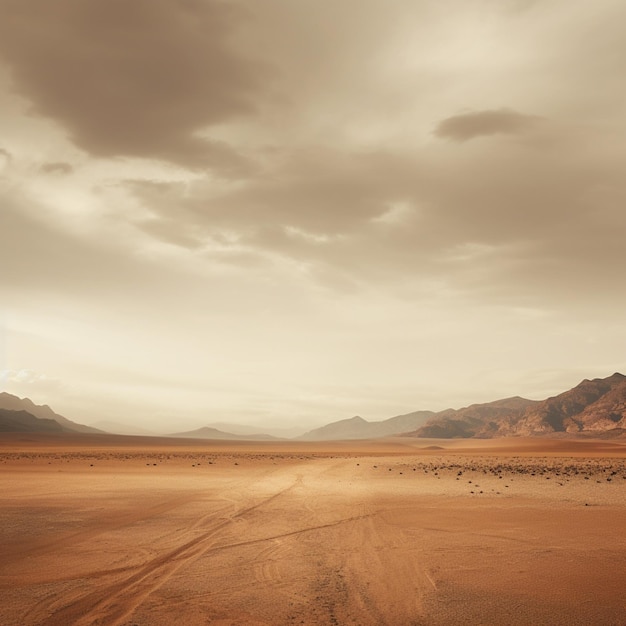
(358, 428)
(592, 406)
(43, 412)
(208, 432)
(24, 422)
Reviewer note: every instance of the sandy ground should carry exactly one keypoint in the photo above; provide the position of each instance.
(153, 532)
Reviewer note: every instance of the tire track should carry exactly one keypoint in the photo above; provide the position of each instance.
(379, 598)
(291, 533)
(103, 524)
(116, 602)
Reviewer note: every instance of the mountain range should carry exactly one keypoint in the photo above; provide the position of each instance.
(23, 415)
(594, 408)
(24, 422)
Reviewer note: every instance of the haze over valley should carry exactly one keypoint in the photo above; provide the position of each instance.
(592, 408)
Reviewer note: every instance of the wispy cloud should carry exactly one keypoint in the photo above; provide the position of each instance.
(483, 123)
(249, 195)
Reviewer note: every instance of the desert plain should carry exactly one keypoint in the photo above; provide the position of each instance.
(145, 531)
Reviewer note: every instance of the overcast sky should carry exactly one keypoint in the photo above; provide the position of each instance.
(289, 212)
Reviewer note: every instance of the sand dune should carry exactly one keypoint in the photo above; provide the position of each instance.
(147, 531)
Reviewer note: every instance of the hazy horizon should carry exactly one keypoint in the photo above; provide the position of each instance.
(287, 214)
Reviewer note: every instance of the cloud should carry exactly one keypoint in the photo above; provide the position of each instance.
(57, 168)
(507, 223)
(134, 78)
(5, 158)
(483, 123)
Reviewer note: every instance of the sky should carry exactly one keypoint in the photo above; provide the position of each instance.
(285, 213)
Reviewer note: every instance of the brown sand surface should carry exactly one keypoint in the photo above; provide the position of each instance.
(140, 531)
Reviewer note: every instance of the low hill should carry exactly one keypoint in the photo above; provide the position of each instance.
(206, 432)
(248, 429)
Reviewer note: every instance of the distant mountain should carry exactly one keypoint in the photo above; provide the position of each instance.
(358, 428)
(352, 428)
(400, 423)
(592, 407)
(24, 422)
(118, 428)
(206, 432)
(247, 429)
(43, 412)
